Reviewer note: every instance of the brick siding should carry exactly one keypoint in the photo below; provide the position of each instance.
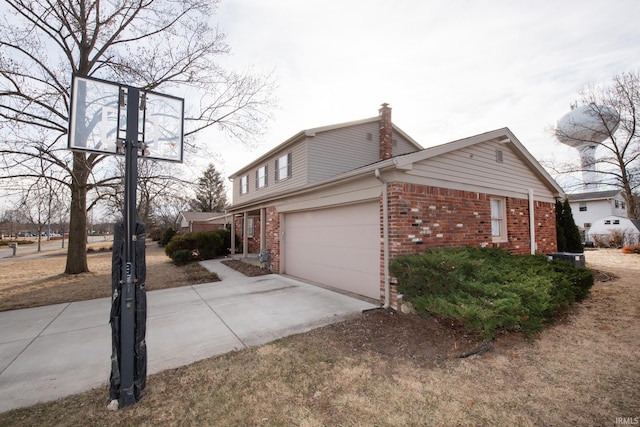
(423, 217)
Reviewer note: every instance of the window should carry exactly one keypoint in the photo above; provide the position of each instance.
(244, 184)
(261, 177)
(607, 222)
(616, 222)
(283, 167)
(498, 223)
(587, 225)
(616, 203)
(622, 205)
(583, 206)
(250, 226)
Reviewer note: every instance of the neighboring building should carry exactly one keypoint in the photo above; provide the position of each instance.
(334, 204)
(202, 221)
(614, 231)
(594, 207)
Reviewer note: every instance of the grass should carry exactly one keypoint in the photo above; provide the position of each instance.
(40, 281)
(580, 371)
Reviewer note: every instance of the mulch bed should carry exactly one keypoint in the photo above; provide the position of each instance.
(246, 268)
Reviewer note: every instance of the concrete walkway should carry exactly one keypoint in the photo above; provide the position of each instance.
(55, 351)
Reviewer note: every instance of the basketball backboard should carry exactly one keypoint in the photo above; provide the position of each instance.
(99, 116)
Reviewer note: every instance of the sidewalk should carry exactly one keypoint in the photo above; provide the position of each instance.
(54, 351)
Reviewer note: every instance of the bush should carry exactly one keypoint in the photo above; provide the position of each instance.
(631, 249)
(183, 256)
(489, 289)
(155, 234)
(167, 236)
(203, 245)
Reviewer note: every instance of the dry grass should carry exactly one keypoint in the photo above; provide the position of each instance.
(581, 371)
(36, 282)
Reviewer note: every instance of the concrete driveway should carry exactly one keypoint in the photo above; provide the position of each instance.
(55, 351)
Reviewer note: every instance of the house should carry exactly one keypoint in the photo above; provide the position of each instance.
(202, 221)
(333, 205)
(614, 231)
(595, 207)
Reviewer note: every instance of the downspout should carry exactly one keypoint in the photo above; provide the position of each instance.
(385, 237)
(532, 225)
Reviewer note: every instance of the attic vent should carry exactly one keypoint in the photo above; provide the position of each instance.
(369, 137)
(394, 142)
(498, 155)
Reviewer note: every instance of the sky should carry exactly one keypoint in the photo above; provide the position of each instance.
(449, 69)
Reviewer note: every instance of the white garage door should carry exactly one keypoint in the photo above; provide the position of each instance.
(338, 247)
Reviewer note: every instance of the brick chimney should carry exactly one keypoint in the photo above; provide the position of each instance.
(386, 145)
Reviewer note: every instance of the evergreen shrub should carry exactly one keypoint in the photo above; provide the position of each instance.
(203, 245)
(167, 236)
(488, 290)
(183, 256)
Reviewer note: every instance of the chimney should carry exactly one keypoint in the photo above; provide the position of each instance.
(386, 145)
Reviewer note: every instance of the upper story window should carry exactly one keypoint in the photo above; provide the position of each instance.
(283, 167)
(583, 206)
(261, 177)
(498, 219)
(244, 184)
(616, 203)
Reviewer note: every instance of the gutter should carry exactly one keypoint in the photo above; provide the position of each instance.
(385, 237)
(532, 225)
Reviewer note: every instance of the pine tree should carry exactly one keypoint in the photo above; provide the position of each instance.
(567, 232)
(571, 231)
(210, 192)
(560, 236)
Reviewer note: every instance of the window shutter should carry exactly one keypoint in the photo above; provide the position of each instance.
(289, 168)
(276, 172)
(266, 175)
(257, 178)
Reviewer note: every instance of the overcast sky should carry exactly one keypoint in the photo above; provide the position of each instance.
(448, 68)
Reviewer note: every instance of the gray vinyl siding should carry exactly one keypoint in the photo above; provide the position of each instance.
(402, 145)
(337, 151)
(476, 167)
(298, 175)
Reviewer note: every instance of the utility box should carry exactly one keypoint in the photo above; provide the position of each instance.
(576, 259)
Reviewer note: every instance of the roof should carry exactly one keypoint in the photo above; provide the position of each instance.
(404, 161)
(312, 132)
(200, 216)
(593, 195)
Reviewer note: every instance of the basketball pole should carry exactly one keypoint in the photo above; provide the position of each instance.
(128, 298)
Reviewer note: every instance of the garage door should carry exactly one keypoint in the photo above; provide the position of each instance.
(338, 247)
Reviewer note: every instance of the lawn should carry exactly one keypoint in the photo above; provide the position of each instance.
(388, 369)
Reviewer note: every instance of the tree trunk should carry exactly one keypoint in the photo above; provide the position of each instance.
(77, 244)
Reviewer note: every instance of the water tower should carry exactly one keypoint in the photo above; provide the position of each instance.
(584, 128)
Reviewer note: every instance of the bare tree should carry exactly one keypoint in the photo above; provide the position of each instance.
(150, 44)
(158, 185)
(618, 157)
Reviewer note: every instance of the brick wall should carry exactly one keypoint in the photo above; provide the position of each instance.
(253, 242)
(272, 219)
(423, 217)
(203, 226)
